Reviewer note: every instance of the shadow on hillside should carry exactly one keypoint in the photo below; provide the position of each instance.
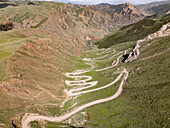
(7, 26)
(125, 57)
(4, 5)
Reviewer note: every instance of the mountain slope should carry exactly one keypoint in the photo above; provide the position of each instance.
(161, 8)
(122, 14)
(144, 101)
(123, 9)
(32, 66)
(33, 58)
(132, 32)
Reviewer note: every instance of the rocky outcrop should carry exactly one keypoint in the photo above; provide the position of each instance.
(110, 15)
(122, 9)
(164, 31)
(128, 9)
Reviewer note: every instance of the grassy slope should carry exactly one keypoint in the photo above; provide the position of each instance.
(40, 57)
(143, 102)
(8, 45)
(41, 61)
(132, 32)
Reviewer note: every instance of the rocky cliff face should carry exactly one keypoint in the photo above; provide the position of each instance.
(122, 9)
(120, 14)
(107, 16)
(164, 31)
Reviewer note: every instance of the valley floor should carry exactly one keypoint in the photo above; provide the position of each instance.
(98, 79)
(102, 81)
(81, 86)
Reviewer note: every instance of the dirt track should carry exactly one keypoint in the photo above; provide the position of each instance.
(32, 117)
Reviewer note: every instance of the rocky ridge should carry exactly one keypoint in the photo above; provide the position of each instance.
(161, 7)
(110, 15)
(164, 31)
(122, 9)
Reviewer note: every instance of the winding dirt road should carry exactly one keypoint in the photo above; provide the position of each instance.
(27, 118)
(98, 70)
(32, 117)
(70, 93)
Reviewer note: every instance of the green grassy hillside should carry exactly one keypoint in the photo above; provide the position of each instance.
(144, 101)
(33, 58)
(132, 32)
(31, 71)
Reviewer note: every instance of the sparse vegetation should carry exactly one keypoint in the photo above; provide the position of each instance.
(41, 22)
(79, 10)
